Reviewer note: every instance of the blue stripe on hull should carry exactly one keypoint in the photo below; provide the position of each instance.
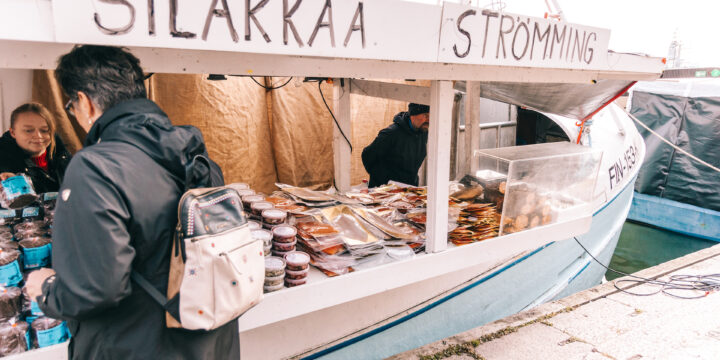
(502, 293)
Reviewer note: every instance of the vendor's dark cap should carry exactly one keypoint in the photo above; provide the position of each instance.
(417, 109)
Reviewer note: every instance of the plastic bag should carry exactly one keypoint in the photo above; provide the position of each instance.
(48, 332)
(14, 338)
(10, 302)
(17, 192)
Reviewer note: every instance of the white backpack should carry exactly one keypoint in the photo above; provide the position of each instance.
(217, 269)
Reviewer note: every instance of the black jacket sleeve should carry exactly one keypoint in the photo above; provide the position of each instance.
(92, 254)
(373, 154)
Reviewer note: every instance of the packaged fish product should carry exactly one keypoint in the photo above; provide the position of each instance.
(14, 338)
(274, 266)
(296, 275)
(9, 245)
(243, 192)
(8, 217)
(29, 306)
(37, 251)
(254, 225)
(295, 282)
(297, 260)
(239, 186)
(247, 200)
(17, 192)
(263, 235)
(284, 233)
(48, 200)
(282, 246)
(258, 207)
(272, 288)
(6, 233)
(48, 332)
(10, 273)
(272, 217)
(274, 280)
(10, 302)
(279, 253)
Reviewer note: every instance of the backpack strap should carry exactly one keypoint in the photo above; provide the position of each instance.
(147, 286)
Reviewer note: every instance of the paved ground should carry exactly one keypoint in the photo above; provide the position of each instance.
(602, 323)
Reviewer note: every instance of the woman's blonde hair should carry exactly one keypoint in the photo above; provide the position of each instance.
(43, 112)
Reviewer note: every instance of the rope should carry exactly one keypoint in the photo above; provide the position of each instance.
(671, 144)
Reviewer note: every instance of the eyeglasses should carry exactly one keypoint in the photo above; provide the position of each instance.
(69, 108)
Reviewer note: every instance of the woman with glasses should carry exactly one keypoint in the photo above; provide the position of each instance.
(32, 147)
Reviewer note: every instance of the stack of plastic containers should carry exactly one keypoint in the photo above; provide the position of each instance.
(297, 267)
(274, 273)
(283, 239)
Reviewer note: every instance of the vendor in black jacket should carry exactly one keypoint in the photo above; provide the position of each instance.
(399, 150)
(115, 214)
(32, 147)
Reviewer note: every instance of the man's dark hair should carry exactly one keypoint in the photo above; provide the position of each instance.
(107, 75)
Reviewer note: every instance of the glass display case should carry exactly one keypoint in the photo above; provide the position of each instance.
(536, 185)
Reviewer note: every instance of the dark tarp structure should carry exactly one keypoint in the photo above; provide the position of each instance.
(688, 115)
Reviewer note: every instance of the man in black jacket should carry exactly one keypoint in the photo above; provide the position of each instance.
(399, 150)
(116, 211)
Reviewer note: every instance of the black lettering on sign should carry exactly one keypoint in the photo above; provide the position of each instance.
(487, 14)
(173, 23)
(541, 37)
(151, 17)
(560, 40)
(464, 32)
(221, 13)
(527, 40)
(501, 35)
(579, 46)
(287, 21)
(250, 14)
(118, 30)
(354, 27)
(329, 24)
(588, 49)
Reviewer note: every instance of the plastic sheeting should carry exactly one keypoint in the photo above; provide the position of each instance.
(692, 124)
(575, 101)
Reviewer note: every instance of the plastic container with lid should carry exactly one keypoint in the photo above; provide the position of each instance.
(274, 216)
(239, 186)
(272, 288)
(37, 251)
(274, 280)
(297, 260)
(263, 235)
(254, 225)
(279, 253)
(10, 273)
(29, 226)
(258, 207)
(267, 250)
(281, 246)
(284, 233)
(274, 266)
(296, 275)
(14, 337)
(247, 200)
(295, 282)
(47, 331)
(244, 192)
(10, 302)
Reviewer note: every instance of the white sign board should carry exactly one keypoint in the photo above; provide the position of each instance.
(367, 29)
(361, 29)
(476, 36)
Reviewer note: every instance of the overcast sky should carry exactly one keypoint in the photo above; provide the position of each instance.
(639, 26)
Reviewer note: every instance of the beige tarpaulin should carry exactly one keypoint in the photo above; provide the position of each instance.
(256, 135)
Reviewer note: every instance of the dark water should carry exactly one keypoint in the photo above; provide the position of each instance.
(641, 247)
